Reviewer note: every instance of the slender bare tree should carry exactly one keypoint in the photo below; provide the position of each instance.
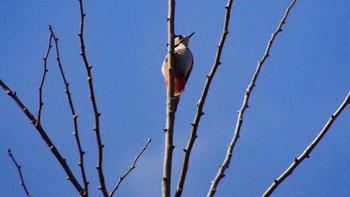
(80, 181)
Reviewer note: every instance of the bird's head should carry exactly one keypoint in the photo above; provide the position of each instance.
(181, 39)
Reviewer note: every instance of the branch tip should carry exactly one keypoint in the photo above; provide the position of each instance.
(305, 154)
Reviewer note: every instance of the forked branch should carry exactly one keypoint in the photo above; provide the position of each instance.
(44, 136)
(19, 172)
(74, 115)
(308, 150)
(244, 106)
(200, 104)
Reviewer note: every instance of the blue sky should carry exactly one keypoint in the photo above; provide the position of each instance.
(301, 84)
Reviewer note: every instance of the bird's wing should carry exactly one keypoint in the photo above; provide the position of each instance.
(189, 72)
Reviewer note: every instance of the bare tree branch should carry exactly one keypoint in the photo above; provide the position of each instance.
(43, 79)
(170, 113)
(74, 115)
(96, 128)
(308, 150)
(19, 172)
(200, 104)
(235, 137)
(44, 136)
(133, 165)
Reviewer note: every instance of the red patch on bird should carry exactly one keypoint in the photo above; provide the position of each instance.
(179, 79)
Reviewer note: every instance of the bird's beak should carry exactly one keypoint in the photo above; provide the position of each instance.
(189, 36)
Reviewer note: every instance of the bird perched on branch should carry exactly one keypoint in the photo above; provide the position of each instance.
(182, 66)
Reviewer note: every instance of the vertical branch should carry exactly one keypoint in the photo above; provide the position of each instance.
(74, 115)
(96, 128)
(170, 113)
(133, 166)
(19, 171)
(244, 106)
(44, 136)
(200, 104)
(308, 150)
(43, 79)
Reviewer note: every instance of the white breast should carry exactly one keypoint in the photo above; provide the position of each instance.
(183, 59)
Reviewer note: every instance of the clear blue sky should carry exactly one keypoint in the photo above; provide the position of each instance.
(301, 84)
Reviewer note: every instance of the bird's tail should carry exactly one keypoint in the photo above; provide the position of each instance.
(176, 101)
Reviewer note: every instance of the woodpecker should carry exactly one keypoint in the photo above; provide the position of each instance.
(183, 64)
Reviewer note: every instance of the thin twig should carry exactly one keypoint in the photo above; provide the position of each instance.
(96, 128)
(170, 113)
(249, 89)
(43, 79)
(19, 172)
(74, 116)
(133, 165)
(44, 136)
(200, 104)
(308, 150)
